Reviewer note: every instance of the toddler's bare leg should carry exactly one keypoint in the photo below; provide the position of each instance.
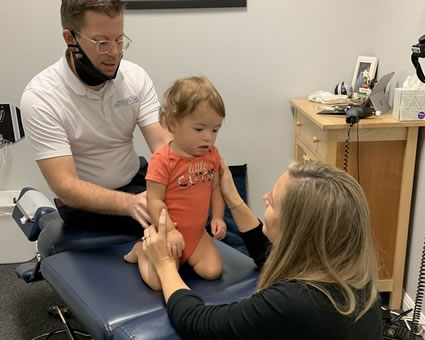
(131, 256)
(146, 268)
(206, 260)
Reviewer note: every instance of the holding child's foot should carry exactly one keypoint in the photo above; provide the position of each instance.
(148, 272)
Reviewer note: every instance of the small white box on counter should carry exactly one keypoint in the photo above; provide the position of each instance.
(409, 104)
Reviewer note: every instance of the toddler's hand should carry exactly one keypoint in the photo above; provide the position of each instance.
(175, 243)
(218, 228)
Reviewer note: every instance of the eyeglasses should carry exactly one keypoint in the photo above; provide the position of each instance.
(105, 46)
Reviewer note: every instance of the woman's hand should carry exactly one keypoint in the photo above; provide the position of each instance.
(155, 247)
(155, 242)
(228, 189)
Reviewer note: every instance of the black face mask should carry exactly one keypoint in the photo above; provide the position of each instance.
(86, 71)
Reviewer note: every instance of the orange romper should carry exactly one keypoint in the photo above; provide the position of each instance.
(188, 193)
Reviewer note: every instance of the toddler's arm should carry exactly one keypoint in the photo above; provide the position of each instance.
(155, 201)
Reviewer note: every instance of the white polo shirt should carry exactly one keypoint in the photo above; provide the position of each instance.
(62, 117)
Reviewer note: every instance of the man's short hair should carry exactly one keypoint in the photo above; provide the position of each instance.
(73, 11)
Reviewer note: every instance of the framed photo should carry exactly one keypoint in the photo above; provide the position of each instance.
(163, 4)
(364, 73)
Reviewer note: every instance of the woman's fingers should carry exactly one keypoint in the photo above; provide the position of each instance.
(223, 167)
(162, 228)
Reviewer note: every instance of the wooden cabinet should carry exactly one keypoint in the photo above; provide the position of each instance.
(380, 153)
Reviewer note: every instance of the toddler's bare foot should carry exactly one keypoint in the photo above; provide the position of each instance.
(131, 257)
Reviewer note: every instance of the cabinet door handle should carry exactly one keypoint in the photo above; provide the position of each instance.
(306, 157)
(298, 123)
(315, 139)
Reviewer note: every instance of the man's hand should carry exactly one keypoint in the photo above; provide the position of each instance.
(218, 228)
(175, 243)
(139, 209)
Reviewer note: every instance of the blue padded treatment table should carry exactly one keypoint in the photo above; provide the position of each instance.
(157, 325)
(111, 301)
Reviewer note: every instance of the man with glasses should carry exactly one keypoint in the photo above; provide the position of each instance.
(79, 115)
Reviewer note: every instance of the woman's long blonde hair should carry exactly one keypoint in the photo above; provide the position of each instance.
(325, 237)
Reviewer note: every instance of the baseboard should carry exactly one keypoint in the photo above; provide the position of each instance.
(409, 303)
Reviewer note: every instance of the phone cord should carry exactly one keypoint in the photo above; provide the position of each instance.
(347, 149)
(419, 298)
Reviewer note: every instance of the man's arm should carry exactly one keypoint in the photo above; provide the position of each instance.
(61, 175)
(156, 136)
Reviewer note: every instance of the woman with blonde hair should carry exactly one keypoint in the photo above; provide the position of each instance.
(319, 277)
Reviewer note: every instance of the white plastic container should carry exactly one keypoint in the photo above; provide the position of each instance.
(14, 246)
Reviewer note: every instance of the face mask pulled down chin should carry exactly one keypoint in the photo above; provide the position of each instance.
(85, 69)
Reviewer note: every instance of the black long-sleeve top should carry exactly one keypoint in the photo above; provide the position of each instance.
(286, 310)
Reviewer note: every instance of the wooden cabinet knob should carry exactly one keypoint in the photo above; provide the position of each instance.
(315, 139)
(298, 123)
(306, 157)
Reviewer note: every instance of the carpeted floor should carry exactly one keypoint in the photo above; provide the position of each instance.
(24, 308)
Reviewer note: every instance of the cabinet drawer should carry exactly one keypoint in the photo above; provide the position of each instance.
(302, 152)
(313, 137)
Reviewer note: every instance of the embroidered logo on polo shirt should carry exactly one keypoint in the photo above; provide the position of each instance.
(126, 101)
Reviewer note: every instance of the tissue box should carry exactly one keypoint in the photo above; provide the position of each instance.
(409, 104)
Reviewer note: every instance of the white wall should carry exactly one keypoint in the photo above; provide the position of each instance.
(258, 57)
(31, 41)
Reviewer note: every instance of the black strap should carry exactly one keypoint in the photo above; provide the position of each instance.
(419, 72)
